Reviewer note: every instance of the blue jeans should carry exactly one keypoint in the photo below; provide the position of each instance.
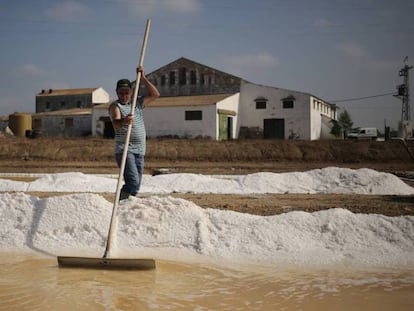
(134, 168)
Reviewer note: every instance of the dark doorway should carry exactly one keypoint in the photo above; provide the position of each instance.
(274, 128)
(225, 126)
(109, 131)
(229, 128)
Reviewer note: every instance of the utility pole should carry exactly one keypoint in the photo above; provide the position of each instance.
(404, 95)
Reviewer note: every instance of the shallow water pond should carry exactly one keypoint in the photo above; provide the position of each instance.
(36, 283)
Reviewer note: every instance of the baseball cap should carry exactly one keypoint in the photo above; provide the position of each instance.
(123, 84)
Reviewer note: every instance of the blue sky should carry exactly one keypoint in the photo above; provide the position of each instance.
(333, 49)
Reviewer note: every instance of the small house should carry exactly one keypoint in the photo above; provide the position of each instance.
(270, 112)
(204, 116)
(53, 100)
(74, 122)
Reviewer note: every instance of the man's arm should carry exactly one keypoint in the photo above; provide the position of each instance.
(153, 92)
(115, 114)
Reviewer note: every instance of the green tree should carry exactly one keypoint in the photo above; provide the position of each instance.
(345, 121)
(336, 128)
(342, 125)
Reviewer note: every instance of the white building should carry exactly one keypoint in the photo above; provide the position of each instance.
(197, 101)
(212, 116)
(256, 112)
(261, 111)
(67, 112)
(53, 100)
(207, 116)
(75, 122)
(269, 112)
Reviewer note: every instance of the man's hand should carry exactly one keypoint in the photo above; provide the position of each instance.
(128, 119)
(141, 69)
(152, 90)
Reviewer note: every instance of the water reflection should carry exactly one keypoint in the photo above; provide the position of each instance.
(36, 283)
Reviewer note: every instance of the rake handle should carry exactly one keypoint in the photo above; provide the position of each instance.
(127, 138)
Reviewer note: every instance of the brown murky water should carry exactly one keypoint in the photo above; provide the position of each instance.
(36, 283)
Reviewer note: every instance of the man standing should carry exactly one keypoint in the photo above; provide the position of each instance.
(121, 117)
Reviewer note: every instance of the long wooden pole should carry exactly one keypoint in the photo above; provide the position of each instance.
(124, 154)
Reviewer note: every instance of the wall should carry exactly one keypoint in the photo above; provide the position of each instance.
(191, 78)
(326, 128)
(99, 113)
(63, 126)
(3, 124)
(170, 121)
(62, 102)
(321, 112)
(297, 119)
(54, 100)
(100, 96)
(230, 103)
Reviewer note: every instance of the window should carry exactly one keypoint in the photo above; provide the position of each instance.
(193, 77)
(202, 79)
(47, 105)
(183, 76)
(261, 102)
(261, 105)
(62, 104)
(172, 78)
(37, 124)
(287, 104)
(193, 115)
(79, 104)
(68, 122)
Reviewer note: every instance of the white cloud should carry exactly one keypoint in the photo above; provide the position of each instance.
(28, 71)
(186, 6)
(243, 64)
(31, 70)
(150, 7)
(353, 50)
(322, 23)
(68, 11)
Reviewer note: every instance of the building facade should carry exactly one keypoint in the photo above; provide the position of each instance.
(74, 122)
(203, 116)
(196, 101)
(269, 112)
(54, 100)
(184, 77)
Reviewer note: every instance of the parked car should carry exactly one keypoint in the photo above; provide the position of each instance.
(364, 133)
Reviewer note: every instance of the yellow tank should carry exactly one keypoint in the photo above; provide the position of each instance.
(20, 123)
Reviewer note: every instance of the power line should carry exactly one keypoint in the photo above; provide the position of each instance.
(359, 98)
